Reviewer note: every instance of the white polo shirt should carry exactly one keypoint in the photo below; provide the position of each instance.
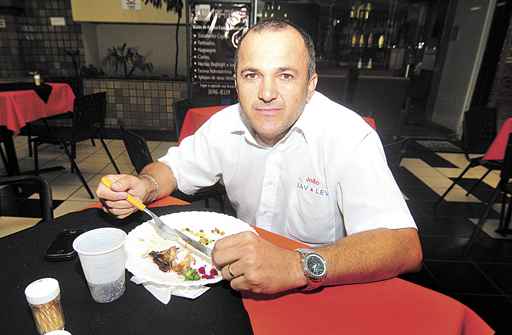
(327, 178)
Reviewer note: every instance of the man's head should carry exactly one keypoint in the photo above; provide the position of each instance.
(275, 77)
(276, 24)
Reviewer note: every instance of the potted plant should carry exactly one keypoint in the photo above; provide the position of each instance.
(126, 59)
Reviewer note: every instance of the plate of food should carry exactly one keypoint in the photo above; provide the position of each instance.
(172, 262)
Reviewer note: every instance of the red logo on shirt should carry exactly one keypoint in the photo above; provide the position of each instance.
(312, 180)
(313, 185)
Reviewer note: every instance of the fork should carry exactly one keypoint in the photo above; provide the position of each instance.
(162, 228)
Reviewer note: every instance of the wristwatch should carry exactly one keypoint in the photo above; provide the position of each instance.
(314, 266)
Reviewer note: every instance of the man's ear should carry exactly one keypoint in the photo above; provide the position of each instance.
(312, 85)
(236, 83)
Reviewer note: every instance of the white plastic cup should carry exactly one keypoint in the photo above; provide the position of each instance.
(102, 255)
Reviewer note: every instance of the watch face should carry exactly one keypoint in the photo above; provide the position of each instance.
(315, 265)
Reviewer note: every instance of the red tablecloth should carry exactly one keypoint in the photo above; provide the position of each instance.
(496, 151)
(195, 118)
(17, 108)
(392, 306)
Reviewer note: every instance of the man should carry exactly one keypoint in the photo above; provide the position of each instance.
(295, 163)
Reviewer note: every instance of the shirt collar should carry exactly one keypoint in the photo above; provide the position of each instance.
(301, 127)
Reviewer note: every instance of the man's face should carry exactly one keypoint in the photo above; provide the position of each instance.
(272, 82)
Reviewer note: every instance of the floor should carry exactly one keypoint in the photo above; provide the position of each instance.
(482, 279)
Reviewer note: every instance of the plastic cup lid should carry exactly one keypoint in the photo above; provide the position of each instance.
(42, 291)
(58, 332)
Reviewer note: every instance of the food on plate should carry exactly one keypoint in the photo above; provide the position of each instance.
(181, 262)
(168, 260)
(206, 238)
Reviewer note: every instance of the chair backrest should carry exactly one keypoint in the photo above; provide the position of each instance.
(350, 86)
(43, 188)
(137, 148)
(506, 169)
(479, 129)
(180, 109)
(182, 106)
(89, 113)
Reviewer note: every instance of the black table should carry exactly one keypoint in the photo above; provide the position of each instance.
(218, 311)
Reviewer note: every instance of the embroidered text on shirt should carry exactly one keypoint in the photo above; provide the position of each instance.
(313, 185)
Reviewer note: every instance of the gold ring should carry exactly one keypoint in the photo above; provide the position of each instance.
(229, 271)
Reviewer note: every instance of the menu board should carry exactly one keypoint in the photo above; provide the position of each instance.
(216, 32)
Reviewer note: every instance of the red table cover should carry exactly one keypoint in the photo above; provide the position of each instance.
(195, 117)
(17, 108)
(391, 306)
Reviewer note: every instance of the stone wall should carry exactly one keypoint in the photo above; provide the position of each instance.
(141, 104)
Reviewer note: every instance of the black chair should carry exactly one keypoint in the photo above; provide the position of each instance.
(87, 111)
(137, 148)
(504, 187)
(349, 90)
(140, 156)
(180, 110)
(43, 189)
(469, 137)
(2, 154)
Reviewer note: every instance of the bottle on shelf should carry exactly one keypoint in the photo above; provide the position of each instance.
(361, 40)
(352, 12)
(369, 65)
(367, 11)
(381, 41)
(361, 11)
(360, 63)
(370, 40)
(354, 39)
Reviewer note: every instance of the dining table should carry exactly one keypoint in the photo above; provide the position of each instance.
(22, 103)
(392, 306)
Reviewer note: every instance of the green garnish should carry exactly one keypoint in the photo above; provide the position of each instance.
(191, 274)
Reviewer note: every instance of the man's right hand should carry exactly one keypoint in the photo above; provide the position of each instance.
(114, 199)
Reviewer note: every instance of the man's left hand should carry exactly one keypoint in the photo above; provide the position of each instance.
(253, 264)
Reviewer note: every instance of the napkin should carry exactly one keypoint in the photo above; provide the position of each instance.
(164, 292)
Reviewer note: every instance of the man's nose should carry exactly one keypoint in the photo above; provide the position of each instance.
(268, 90)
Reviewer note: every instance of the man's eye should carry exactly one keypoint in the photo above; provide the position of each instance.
(250, 75)
(286, 76)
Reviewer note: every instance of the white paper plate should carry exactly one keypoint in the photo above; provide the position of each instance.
(143, 239)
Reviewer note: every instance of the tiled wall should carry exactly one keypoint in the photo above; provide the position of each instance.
(141, 104)
(44, 46)
(30, 43)
(11, 64)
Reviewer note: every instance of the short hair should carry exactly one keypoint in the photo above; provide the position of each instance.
(281, 24)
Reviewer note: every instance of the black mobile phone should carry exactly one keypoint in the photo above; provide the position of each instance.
(61, 248)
